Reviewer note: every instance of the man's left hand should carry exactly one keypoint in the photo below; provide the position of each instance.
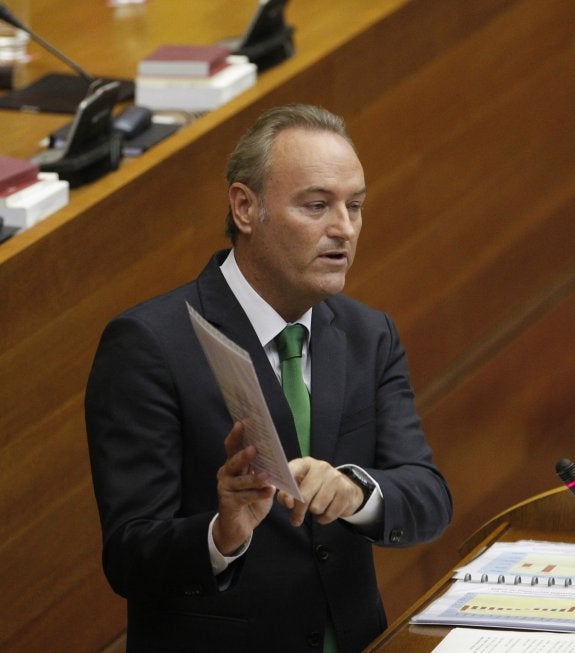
(328, 494)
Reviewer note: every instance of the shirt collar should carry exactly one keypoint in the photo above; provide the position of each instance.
(266, 321)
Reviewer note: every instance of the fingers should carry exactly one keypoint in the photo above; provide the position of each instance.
(237, 482)
(239, 457)
(236, 474)
(234, 440)
(244, 496)
(328, 494)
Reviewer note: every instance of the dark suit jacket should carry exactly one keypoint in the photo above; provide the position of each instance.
(156, 424)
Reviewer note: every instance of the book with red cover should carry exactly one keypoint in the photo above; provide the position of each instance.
(192, 60)
(16, 174)
(194, 93)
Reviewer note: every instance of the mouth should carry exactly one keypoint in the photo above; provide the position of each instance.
(335, 256)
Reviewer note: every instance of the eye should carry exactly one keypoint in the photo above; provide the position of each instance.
(315, 207)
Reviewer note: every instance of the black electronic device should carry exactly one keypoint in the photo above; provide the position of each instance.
(136, 125)
(133, 121)
(92, 148)
(268, 40)
(56, 92)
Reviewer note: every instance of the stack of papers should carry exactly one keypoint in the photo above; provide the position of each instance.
(526, 585)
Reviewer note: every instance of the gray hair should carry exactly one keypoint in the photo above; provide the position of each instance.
(250, 160)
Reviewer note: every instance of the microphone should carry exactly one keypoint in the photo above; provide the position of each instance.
(7, 16)
(566, 471)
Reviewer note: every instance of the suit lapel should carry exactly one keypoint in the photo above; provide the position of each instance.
(328, 370)
(219, 306)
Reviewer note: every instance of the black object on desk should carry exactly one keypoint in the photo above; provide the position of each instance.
(267, 41)
(151, 136)
(136, 124)
(58, 93)
(132, 121)
(92, 148)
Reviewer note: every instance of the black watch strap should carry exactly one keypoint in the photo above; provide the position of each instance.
(360, 479)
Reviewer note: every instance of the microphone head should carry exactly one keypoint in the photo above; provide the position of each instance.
(7, 16)
(565, 469)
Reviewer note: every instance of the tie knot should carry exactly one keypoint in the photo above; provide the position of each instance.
(290, 341)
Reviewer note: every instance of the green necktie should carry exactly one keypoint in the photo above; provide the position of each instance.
(290, 343)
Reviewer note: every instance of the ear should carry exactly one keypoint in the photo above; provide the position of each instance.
(244, 205)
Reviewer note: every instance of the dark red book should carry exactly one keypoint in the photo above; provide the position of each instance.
(184, 60)
(16, 174)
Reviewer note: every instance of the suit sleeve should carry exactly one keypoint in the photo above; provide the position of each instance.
(135, 441)
(417, 501)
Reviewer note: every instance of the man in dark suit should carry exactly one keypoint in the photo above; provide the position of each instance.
(210, 557)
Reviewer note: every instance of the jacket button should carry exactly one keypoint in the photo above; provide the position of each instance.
(321, 552)
(396, 536)
(314, 639)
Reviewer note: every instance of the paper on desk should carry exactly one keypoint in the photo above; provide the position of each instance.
(237, 379)
(476, 640)
(523, 559)
(525, 607)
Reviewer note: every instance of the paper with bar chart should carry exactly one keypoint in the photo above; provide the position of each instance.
(524, 585)
(238, 381)
(524, 560)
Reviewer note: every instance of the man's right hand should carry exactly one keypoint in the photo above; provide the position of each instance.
(244, 497)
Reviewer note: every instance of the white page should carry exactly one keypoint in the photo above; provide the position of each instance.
(236, 376)
(476, 640)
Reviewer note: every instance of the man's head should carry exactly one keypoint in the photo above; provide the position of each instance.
(296, 190)
(249, 161)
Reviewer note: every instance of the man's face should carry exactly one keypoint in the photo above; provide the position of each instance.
(301, 245)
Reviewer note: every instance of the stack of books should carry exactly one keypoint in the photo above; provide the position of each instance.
(27, 195)
(192, 78)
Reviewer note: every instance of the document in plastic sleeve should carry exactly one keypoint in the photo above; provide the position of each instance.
(238, 382)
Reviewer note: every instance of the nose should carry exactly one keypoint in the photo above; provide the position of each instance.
(343, 224)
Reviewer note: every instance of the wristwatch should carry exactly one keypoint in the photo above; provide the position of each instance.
(362, 480)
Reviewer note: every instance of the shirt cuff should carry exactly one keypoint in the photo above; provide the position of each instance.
(372, 512)
(219, 561)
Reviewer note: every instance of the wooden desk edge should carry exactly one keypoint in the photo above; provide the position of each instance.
(435, 590)
(524, 514)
